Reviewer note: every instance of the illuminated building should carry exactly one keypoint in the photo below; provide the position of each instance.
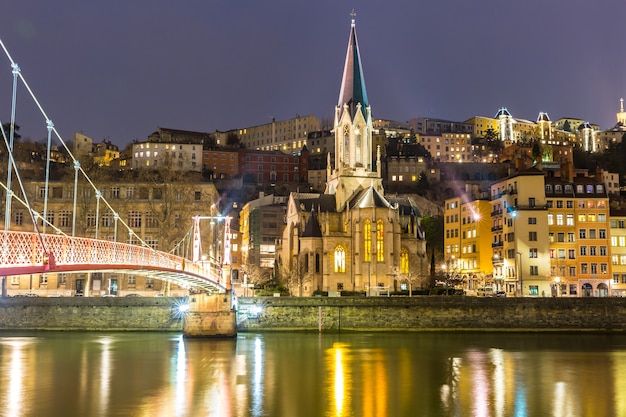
(467, 243)
(351, 237)
(618, 252)
(287, 135)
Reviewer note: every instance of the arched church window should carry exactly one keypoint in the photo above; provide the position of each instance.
(367, 240)
(346, 145)
(380, 241)
(357, 138)
(404, 261)
(340, 259)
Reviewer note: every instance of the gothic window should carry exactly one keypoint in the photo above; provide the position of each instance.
(380, 241)
(404, 261)
(346, 145)
(340, 259)
(367, 240)
(358, 147)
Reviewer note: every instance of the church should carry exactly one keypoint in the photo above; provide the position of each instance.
(352, 239)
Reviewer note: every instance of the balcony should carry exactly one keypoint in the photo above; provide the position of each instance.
(496, 228)
(497, 244)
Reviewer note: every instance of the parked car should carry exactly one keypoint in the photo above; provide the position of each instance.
(500, 294)
(26, 294)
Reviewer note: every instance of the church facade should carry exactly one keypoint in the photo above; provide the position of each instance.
(352, 238)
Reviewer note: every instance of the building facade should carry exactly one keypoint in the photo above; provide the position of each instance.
(351, 238)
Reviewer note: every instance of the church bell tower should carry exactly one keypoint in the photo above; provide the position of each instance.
(353, 165)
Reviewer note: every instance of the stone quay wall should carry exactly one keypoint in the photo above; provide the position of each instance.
(447, 313)
(435, 313)
(90, 314)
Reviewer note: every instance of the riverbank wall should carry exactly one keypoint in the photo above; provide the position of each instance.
(91, 313)
(435, 313)
(440, 313)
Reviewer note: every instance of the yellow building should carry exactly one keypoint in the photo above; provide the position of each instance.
(520, 238)
(286, 135)
(482, 125)
(618, 252)
(467, 232)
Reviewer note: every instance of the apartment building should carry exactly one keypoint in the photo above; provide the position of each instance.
(618, 252)
(287, 135)
(467, 231)
(159, 214)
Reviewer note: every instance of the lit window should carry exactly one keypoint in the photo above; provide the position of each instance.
(340, 259)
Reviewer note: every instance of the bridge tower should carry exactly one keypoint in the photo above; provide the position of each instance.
(212, 315)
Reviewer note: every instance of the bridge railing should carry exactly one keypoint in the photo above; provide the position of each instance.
(25, 249)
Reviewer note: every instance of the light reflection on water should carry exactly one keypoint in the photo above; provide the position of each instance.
(294, 374)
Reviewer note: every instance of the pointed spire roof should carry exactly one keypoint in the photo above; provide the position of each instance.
(368, 198)
(312, 227)
(353, 84)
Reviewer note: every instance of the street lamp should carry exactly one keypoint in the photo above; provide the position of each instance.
(557, 285)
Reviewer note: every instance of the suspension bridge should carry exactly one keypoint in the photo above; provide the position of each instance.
(41, 252)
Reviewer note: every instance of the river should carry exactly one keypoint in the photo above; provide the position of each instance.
(305, 375)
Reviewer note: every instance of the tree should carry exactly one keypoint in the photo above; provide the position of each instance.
(232, 140)
(414, 277)
(296, 275)
(536, 151)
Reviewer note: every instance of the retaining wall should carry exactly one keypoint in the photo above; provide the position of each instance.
(433, 313)
(90, 313)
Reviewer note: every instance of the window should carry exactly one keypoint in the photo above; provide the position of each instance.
(571, 253)
(559, 203)
(532, 220)
(532, 236)
(533, 289)
(582, 234)
(404, 261)
(131, 280)
(340, 286)
(592, 233)
(593, 251)
(584, 268)
(367, 240)
(340, 259)
(570, 220)
(583, 251)
(559, 220)
(197, 195)
(571, 237)
(602, 233)
(570, 204)
(550, 219)
(380, 242)
(532, 252)
(572, 271)
(134, 219)
(534, 270)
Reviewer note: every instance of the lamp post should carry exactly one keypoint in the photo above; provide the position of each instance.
(557, 285)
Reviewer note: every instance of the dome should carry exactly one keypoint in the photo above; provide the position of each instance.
(543, 117)
(502, 112)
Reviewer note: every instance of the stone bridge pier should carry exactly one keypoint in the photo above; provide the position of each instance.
(210, 316)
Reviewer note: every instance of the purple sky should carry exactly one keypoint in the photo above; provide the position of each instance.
(119, 69)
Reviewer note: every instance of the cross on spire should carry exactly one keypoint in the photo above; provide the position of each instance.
(353, 15)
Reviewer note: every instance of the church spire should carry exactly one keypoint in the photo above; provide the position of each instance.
(353, 84)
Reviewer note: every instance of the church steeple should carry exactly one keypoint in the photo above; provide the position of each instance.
(353, 89)
(353, 167)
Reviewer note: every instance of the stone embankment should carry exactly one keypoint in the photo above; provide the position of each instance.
(447, 313)
(90, 314)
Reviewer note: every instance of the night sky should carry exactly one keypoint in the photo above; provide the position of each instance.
(117, 70)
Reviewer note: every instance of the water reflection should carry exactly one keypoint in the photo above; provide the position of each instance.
(87, 374)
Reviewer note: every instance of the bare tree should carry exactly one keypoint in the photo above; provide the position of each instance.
(297, 274)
